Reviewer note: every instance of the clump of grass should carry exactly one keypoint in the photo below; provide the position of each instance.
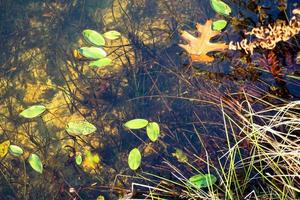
(262, 160)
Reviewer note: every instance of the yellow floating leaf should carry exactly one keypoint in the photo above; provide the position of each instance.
(4, 148)
(100, 197)
(90, 160)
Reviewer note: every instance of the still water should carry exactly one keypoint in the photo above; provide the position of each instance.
(150, 77)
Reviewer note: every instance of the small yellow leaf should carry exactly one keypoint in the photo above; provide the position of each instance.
(100, 197)
(90, 160)
(180, 155)
(4, 148)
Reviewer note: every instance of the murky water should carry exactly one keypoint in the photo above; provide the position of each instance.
(151, 77)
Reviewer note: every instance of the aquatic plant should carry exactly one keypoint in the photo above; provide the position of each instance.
(270, 63)
(150, 79)
(260, 162)
(96, 53)
(152, 130)
(74, 128)
(80, 128)
(220, 7)
(202, 180)
(33, 111)
(134, 159)
(265, 37)
(198, 47)
(268, 37)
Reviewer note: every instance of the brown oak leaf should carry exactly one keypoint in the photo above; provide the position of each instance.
(198, 47)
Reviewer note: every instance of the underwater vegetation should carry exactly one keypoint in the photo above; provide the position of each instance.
(121, 99)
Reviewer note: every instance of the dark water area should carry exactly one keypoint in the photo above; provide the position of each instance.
(151, 77)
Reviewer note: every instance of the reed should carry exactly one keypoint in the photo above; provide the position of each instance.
(268, 170)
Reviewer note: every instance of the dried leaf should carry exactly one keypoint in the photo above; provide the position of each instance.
(198, 47)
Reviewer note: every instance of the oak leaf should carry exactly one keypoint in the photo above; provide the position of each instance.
(198, 47)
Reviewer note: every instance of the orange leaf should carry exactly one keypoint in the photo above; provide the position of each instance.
(198, 47)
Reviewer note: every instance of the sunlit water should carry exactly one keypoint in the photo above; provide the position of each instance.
(150, 78)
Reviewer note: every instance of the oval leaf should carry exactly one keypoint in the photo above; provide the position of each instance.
(203, 181)
(219, 25)
(100, 63)
(36, 163)
(78, 159)
(136, 123)
(15, 150)
(112, 35)
(134, 159)
(152, 130)
(92, 52)
(93, 37)
(80, 128)
(220, 7)
(100, 197)
(33, 111)
(4, 148)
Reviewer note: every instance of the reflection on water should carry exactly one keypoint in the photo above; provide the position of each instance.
(150, 78)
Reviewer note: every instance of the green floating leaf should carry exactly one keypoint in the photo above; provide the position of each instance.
(180, 155)
(33, 111)
(219, 25)
(220, 7)
(152, 130)
(78, 159)
(93, 37)
(36, 163)
(80, 128)
(92, 52)
(134, 159)
(136, 123)
(15, 150)
(112, 35)
(101, 62)
(203, 181)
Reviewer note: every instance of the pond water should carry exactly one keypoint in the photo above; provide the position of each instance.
(150, 77)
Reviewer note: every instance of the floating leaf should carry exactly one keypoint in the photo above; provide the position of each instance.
(152, 130)
(100, 63)
(180, 155)
(36, 163)
(100, 197)
(33, 111)
(136, 123)
(90, 160)
(4, 148)
(134, 159)
(93, 37)
(80, 128)
(78, 159)
(76, 54)
(112, 35)
(15, 150)
(220, 7)
(219, 25)
(199, 47)
(92, 52)
(203, 181)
